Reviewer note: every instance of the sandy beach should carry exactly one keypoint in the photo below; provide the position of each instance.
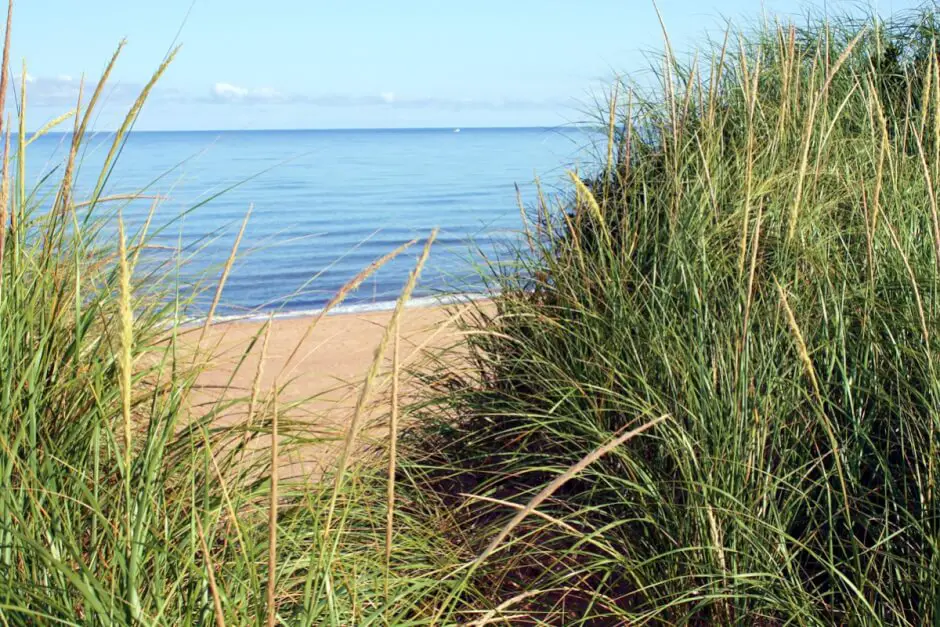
(319, 385)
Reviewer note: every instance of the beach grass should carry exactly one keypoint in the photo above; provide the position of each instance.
(754, 263)
(121, 501)
(704, 394)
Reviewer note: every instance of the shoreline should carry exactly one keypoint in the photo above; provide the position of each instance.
(421, 302)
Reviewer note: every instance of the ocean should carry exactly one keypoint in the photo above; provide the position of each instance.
(325, 204)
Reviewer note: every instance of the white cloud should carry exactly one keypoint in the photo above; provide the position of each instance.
(388, 97)
(227, 91)
(64, 78)
(30, 78)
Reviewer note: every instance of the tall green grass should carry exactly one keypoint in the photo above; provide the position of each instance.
(706, 393)
(122, 503)
(756, 257)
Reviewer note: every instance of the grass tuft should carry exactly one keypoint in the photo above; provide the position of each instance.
(755, 257)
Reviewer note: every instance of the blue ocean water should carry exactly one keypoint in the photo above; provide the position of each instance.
(326, 203)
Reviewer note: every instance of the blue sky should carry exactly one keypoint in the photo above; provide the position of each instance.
(358, 63)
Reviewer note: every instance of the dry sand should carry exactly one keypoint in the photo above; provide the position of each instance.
(318, 389)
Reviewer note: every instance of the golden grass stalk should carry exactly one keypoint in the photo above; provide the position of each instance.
(126, 315)
(4, 198)
(668, 62)
(611, 128)
(229, 262)
(714, 82)
(559, 481)
(352, 432)
(129, 119)
(751, 92)
(584, 193)
(519, 507)
(700, 93)
(908, 103)
(808, 132)
(627, 137)
(256, 383)
(811, 375)
(340, 296)
(879, 174)
(788, 59)
(82, 126)
(21, 158)
(494, 615)
(745, 73)
(5, 63)
(935, 98)
(755, 245)
(143, 232)
(4, 74)
(51, 124)
(126, 362)
(272, 516)
(116, 198)
(927, 88)
(64, 199)
(931, 195)
(798, 339)
(210, 573)
(5, 193)
(392, 457)
(690, 87)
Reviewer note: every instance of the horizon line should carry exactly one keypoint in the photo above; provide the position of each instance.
(333, 129)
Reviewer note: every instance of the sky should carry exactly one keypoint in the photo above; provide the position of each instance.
(246, 64)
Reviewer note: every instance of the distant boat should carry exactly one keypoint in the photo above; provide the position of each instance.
(456, 130)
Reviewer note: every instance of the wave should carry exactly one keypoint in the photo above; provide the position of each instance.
(385, 305)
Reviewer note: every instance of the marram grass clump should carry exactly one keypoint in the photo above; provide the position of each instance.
(122, 501)
(757, 259)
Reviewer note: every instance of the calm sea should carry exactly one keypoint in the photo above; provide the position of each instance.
(327, 203)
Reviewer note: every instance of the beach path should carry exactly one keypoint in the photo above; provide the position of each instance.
(318, 388)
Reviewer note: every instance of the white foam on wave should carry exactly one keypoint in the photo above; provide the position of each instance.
(388, 305)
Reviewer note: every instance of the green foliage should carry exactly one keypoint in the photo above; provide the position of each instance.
(124, 503)
(757, 259)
